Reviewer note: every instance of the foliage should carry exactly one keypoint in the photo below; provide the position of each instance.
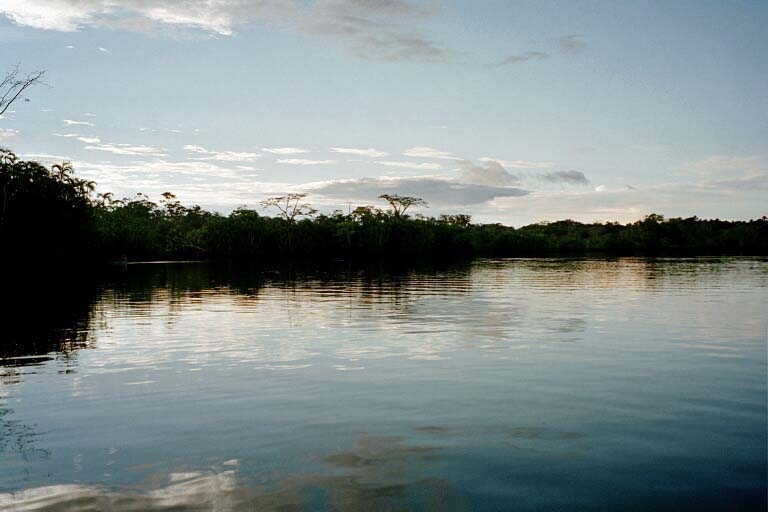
(400, 204)
(44, 215)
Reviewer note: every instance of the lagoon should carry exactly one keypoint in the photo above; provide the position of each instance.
(514, 384)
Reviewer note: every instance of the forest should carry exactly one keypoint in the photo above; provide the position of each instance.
(50, 216)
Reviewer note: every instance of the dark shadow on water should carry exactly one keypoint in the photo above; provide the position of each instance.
(45, 316)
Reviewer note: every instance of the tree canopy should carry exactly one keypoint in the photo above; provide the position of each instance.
(400, 204)
(52, 215)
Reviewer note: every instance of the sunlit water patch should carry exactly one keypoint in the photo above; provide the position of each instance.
(630, 384)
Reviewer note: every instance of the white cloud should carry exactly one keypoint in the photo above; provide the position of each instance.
(519, 164)
(70, 47)
(233, 156)
(88, 114)
(102, 49)
(371, 29)
(70, 122)
(424, 166)
(304, 161)
(195, 182)
(81, 138)
(427, 152)
(286, 151)
(7, 133)
(222, 156)
(46, 158)
(158, 167)
(370, 152)
(128, 149)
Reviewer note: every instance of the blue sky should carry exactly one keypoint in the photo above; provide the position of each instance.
(512, 111)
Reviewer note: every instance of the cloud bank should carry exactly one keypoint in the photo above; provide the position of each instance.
(371, 29)
(435, 190)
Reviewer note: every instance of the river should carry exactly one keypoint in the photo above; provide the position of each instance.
(522, 384)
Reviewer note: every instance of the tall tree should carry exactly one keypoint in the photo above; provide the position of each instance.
(400, 204)
(290, 207)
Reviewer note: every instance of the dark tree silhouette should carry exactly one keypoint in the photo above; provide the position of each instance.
(43, 214)
(290, 206)
(400, 204)
(49, 214)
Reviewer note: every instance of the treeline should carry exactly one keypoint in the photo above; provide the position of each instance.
(52, 216)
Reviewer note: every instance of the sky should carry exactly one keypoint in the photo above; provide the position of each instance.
(511, 111)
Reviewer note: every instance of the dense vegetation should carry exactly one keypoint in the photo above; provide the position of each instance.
(52, 216)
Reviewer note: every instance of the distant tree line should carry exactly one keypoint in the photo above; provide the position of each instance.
(51, 216)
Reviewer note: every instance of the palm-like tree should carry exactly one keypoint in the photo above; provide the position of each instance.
(63, 171)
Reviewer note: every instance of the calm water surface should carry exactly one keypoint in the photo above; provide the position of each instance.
(536, 384)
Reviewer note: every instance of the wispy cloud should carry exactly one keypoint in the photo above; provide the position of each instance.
(109, 172)
(128, 149)
(371, 29)
(89, 140)
(370, 152)
(233, 156)
(7, 133)
(70, 122)
(102, 49)
(427, 152)
(222, 156)
(724, 163)
(286, 151)
(46, 157)
(519, 164)
(523, 57)
(66, 135)
(729, 172)
(422, 166)
(572, 43)
(304, 161)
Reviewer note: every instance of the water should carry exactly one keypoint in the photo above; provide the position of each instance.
(538, 384)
